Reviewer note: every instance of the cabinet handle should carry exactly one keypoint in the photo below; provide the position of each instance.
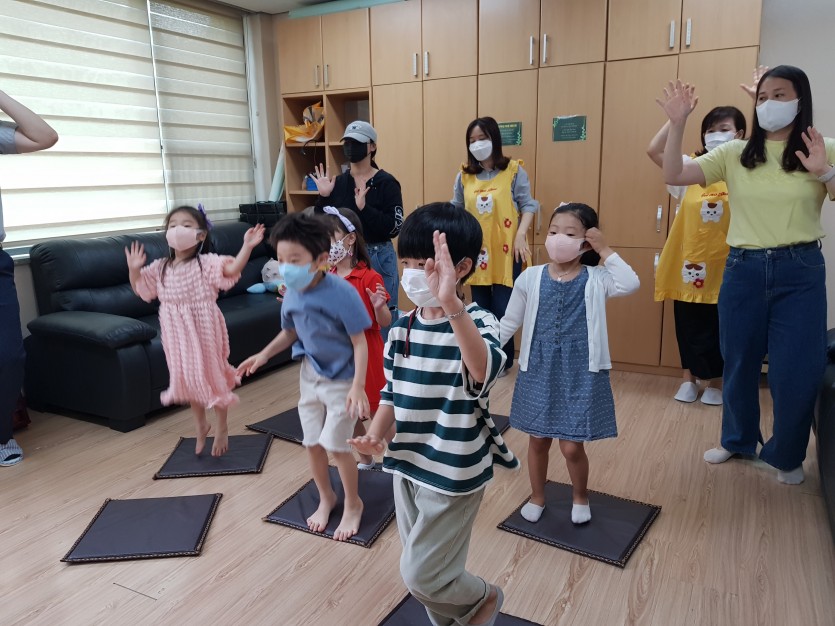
(539, 220)
(658, 218)
(531, 50)
(688, 32)
(414, 65)
(316, 76)
(655, 263)
(536, 256)
(426, 63)
(544, 48)
(672, 34)
(327, 77)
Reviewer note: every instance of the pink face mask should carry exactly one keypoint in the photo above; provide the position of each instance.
(562, 248)
(181, 238)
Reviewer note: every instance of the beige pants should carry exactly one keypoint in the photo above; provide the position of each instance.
(435, 531)
(322, 410)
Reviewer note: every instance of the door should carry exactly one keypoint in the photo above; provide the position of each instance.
(633, 198)
(572, 31)
(450, 38)
(299, 54)
(396, 43)
(508, 35)
(568, 171)
(346, 50)
(634, 321)
(449, 105)
(644, 28)
(717, 24)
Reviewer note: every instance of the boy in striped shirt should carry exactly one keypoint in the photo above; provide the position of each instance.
(441, 361)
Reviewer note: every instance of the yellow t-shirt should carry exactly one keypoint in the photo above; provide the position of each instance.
(772, 207)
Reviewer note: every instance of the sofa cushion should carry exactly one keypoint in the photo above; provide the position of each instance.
(100, 329)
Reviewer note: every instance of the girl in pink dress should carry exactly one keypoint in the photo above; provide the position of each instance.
(194, 335)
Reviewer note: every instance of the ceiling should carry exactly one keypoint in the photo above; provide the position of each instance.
(271, 6)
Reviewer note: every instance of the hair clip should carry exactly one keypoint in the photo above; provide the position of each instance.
(331, 210)
(200, 208)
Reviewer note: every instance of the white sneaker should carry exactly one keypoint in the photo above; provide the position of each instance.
(688, 392)
(712, 396)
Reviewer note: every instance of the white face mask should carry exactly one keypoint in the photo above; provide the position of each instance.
(481, 150)
(417, 289)
(774, 115)
(714, 140)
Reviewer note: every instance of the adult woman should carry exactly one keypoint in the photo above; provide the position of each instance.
(691, 264)
(497, 190)
(773, 296)
(371, 193)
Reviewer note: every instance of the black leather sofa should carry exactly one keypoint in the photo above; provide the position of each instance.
(825, 431)
(96, 349)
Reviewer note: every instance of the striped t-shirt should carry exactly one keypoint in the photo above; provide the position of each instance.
(446, 439)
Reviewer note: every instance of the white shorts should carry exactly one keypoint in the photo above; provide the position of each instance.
(322, 410)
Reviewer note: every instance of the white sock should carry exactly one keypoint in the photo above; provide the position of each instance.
(717, 455)
(580, 513)
(688, 392)
(794, 477)
(532, 512)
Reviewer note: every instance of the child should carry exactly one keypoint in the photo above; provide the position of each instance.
(442, 360)
(349, 259)
(562, 390)
(194, 335)
(323, 318)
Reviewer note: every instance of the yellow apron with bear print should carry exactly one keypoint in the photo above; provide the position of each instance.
(693, 260)
(491, 201)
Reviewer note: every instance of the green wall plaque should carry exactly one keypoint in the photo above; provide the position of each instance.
(511, 133)
(570, 128)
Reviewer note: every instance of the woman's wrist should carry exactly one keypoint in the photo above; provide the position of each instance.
(826, 174)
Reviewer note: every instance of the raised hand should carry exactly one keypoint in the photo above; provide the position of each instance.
(816, 161)
(368, 444)
(679, 101)
(440, 271)
(378, 297)
(135, 256)
(596, 240)
(254, 236)
(756, 77)
(359, 196)
(324, 181)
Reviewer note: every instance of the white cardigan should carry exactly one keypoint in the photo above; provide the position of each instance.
(613, 278)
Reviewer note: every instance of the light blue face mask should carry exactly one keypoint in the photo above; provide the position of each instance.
(297, 277)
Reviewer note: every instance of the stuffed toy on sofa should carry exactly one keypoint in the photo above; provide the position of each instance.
(273, 280)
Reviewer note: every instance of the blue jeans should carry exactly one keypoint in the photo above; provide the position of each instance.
(494, 298)
(384, 262)
(772, 301)
(11, 347)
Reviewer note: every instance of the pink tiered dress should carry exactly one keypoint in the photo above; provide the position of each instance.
(194, 335)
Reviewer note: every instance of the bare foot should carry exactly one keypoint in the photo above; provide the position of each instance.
(485, 611)
(202, 427)
(349, 525)
(318, 522)
(221, 442)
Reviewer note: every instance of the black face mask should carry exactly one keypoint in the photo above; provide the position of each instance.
(355, 151)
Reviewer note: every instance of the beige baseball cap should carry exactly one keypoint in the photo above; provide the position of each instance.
(360, 131)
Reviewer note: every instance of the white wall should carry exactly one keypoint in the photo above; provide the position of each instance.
(800, 33)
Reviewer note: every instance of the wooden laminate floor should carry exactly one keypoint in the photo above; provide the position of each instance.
(731, 546)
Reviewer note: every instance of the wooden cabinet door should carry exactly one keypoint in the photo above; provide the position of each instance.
(572, 31)
(643, 28)
(449, 105)
(718, 24)
(396, 43)
(398, 120)
(633, 198)
(299, 54)
(508, 35)
(450, 39)
(568, 171)
(717, 75)
(511, 97)
(634, 321)
(346, 50)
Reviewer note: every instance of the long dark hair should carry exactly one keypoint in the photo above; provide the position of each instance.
(489, 127)
(754, 152)
(588, 218)
(336, 226)
(202, 223)
(716, 115)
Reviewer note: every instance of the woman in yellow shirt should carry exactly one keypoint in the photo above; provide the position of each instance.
(690, 267)
(773, 295)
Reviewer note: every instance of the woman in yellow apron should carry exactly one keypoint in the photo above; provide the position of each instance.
(497, 191)
(693, 260)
